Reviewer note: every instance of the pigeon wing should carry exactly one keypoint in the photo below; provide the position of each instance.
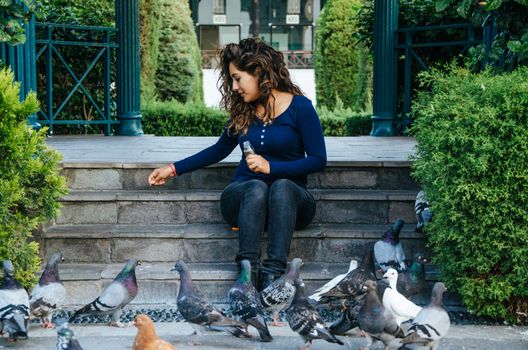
(45, 299)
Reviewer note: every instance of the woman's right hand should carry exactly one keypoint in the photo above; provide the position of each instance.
(160, 176)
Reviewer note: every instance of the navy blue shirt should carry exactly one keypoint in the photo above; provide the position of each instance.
(293, 144)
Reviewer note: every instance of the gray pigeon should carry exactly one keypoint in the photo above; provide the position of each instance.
(245, 302)
(412, 280)
(388, 251)
(304, 319)
(279, 294)
(119, 293)
(199, 311)
(432, 322)
(14, 305)
(352, 285)
(65, 338)
(49, 293)
(423, 213)
(374, 320)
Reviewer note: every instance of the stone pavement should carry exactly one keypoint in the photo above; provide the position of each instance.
(101, 337)
(161, 150)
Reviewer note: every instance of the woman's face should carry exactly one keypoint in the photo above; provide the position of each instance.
(245, 84)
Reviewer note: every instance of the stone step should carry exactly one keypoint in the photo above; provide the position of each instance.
(133, 176)
(158, 285)
(185, 207)
(208, 243)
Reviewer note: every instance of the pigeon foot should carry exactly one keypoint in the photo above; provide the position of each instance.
(195, 343)
(48, 325)
(276, 323)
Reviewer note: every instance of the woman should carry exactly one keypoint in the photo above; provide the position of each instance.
(269, 187)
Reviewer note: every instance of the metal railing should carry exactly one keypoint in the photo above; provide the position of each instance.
(51, 40)
(409, 42)
(295, 59)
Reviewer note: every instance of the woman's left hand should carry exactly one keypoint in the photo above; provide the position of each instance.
(258, 164)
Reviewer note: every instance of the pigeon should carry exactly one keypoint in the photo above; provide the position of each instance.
(432, 322)
(348, 319)
(65, 338)
(423, 213)
(329, 285)
(412, 280)
(14, 305)
(374, 321)
(304, 319)
(199, 311)
(245, 302)
(388, 251)
(398, 306)
(49, 293)
(119, 293)
(279, 294)
(146, 337)
(352, 285)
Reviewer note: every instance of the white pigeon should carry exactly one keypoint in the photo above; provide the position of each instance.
(329, 285)
(14, 306)
(431, 324)
(395, 304)
(49, 294)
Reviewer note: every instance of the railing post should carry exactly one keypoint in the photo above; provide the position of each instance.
(128, 105)
(385, 67)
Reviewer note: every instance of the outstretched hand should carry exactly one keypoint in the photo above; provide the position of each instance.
(160, 176)
(258, 164)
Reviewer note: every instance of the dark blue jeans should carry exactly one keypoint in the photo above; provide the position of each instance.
(251, 205)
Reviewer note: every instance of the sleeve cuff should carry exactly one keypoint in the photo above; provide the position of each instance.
(173, 168)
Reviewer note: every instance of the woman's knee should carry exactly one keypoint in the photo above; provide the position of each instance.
(256, 190)
(283, 187)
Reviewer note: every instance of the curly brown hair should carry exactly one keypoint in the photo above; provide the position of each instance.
(267, 65)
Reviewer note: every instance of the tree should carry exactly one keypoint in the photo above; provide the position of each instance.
(342, 65)
(179, 73)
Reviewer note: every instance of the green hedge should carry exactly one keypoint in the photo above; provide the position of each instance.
(472, 161)
(343, 121)
(171, 118)
(30, 185)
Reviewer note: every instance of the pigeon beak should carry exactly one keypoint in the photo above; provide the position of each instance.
(139, 262)
(173, 269)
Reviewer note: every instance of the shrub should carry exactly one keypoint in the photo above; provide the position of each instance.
(342, 67)
(150, 21)
(171, 118)
(472, 161)
(179, 74)
(30, 185)
(343, 121)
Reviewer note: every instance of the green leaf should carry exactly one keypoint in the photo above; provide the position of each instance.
(441, 5)
(493, 5)
(514, 45)
(464, 7)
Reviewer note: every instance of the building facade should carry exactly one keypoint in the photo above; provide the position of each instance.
(286, 25)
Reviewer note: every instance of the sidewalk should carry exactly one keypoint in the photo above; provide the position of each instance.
(101, 337)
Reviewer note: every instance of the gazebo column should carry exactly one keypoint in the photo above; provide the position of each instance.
(385, 67)
(128, 105)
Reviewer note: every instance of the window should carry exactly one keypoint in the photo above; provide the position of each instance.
(294, 6)
(219, 7)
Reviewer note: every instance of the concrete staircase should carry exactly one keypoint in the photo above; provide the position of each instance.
(111, 214)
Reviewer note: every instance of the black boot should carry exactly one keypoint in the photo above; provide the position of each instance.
(266, 278)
